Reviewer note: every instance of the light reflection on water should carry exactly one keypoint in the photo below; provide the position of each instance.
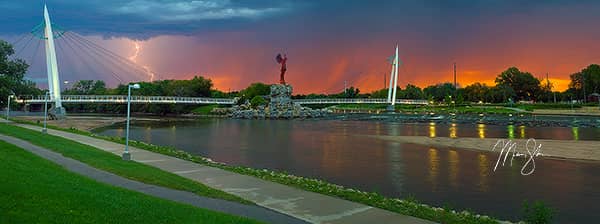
(341, 152)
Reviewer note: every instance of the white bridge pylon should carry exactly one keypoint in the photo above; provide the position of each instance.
(52, 65)
(393, 79)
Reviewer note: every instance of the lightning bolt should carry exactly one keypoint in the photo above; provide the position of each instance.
(133, 58)
(137, 52)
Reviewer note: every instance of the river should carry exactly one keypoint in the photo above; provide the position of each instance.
(342, 152)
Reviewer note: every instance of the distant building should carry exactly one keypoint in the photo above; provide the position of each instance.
(594, 97)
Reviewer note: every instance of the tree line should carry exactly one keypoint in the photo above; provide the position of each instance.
(510, 85)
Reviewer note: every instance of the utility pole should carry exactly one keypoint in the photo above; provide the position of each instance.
(455, 85)
(455, 75)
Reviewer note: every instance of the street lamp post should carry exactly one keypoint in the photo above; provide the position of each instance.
(46, 96)
(126, 155)
(8, 106)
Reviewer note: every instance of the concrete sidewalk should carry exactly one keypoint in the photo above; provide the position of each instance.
(233, 208)
(304, 205)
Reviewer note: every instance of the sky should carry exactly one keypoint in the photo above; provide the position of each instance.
(329, 43)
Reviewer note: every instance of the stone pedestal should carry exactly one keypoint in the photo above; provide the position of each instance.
(280, 97)
(280, 106)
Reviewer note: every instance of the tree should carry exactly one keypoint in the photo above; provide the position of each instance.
(439, 92)
(255, 89)
(525, 86)
(351, 92)
(413, 92)
(586, 81)
(87, 87)
(12, 74)
(382, 93)
(476, 92)
(501, 94)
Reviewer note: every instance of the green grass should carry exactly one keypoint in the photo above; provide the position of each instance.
(112, 163)
(35, 190)
(554, 106)
(438, 109)
(205, 109)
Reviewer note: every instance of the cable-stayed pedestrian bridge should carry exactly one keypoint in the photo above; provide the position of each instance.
(122, 99)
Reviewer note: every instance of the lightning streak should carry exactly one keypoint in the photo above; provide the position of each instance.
(134, 57)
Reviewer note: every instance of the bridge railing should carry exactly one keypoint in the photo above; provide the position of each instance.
(134, 99)
(121, 99)
(357, 101)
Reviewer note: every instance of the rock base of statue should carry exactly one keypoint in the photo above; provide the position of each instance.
(280, 106)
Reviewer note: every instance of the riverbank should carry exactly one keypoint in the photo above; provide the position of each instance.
(35, 189)
(302, 204)
(93, 121)
(560, 149)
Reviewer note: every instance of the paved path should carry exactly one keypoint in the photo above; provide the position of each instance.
(250, 211)
(304, 205)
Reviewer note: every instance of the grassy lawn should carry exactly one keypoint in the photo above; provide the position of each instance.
(440, 109)
(114, 164)
(35, 190)
(205, 109)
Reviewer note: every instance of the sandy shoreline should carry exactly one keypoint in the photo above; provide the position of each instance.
(562, 149)
(85, 123)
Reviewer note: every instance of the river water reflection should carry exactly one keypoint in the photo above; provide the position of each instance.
(342, 152)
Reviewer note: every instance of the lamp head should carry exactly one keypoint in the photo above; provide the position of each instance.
(135, 86)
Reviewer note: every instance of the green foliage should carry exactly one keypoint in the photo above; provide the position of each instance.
(351, 92)
(35, 190)
(257, 101)
(255, 89)
(555, 106)
(587, 81)
(537, 213)
(410, 92)
(476, 92)
(87, 87)
(525, 86)
(413, 92)
(112, 163)
(205, 109)
(440, 92)
(12, 74)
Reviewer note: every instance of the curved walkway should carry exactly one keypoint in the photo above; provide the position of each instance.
(249, 211)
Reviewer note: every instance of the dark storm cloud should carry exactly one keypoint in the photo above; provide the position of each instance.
(141, 18)
(148, 18)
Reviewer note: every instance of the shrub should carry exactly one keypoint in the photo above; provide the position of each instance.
(257, 100)
(537, 213)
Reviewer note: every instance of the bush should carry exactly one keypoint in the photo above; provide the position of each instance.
(257, 100)
(205, 109)
(537, 213)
